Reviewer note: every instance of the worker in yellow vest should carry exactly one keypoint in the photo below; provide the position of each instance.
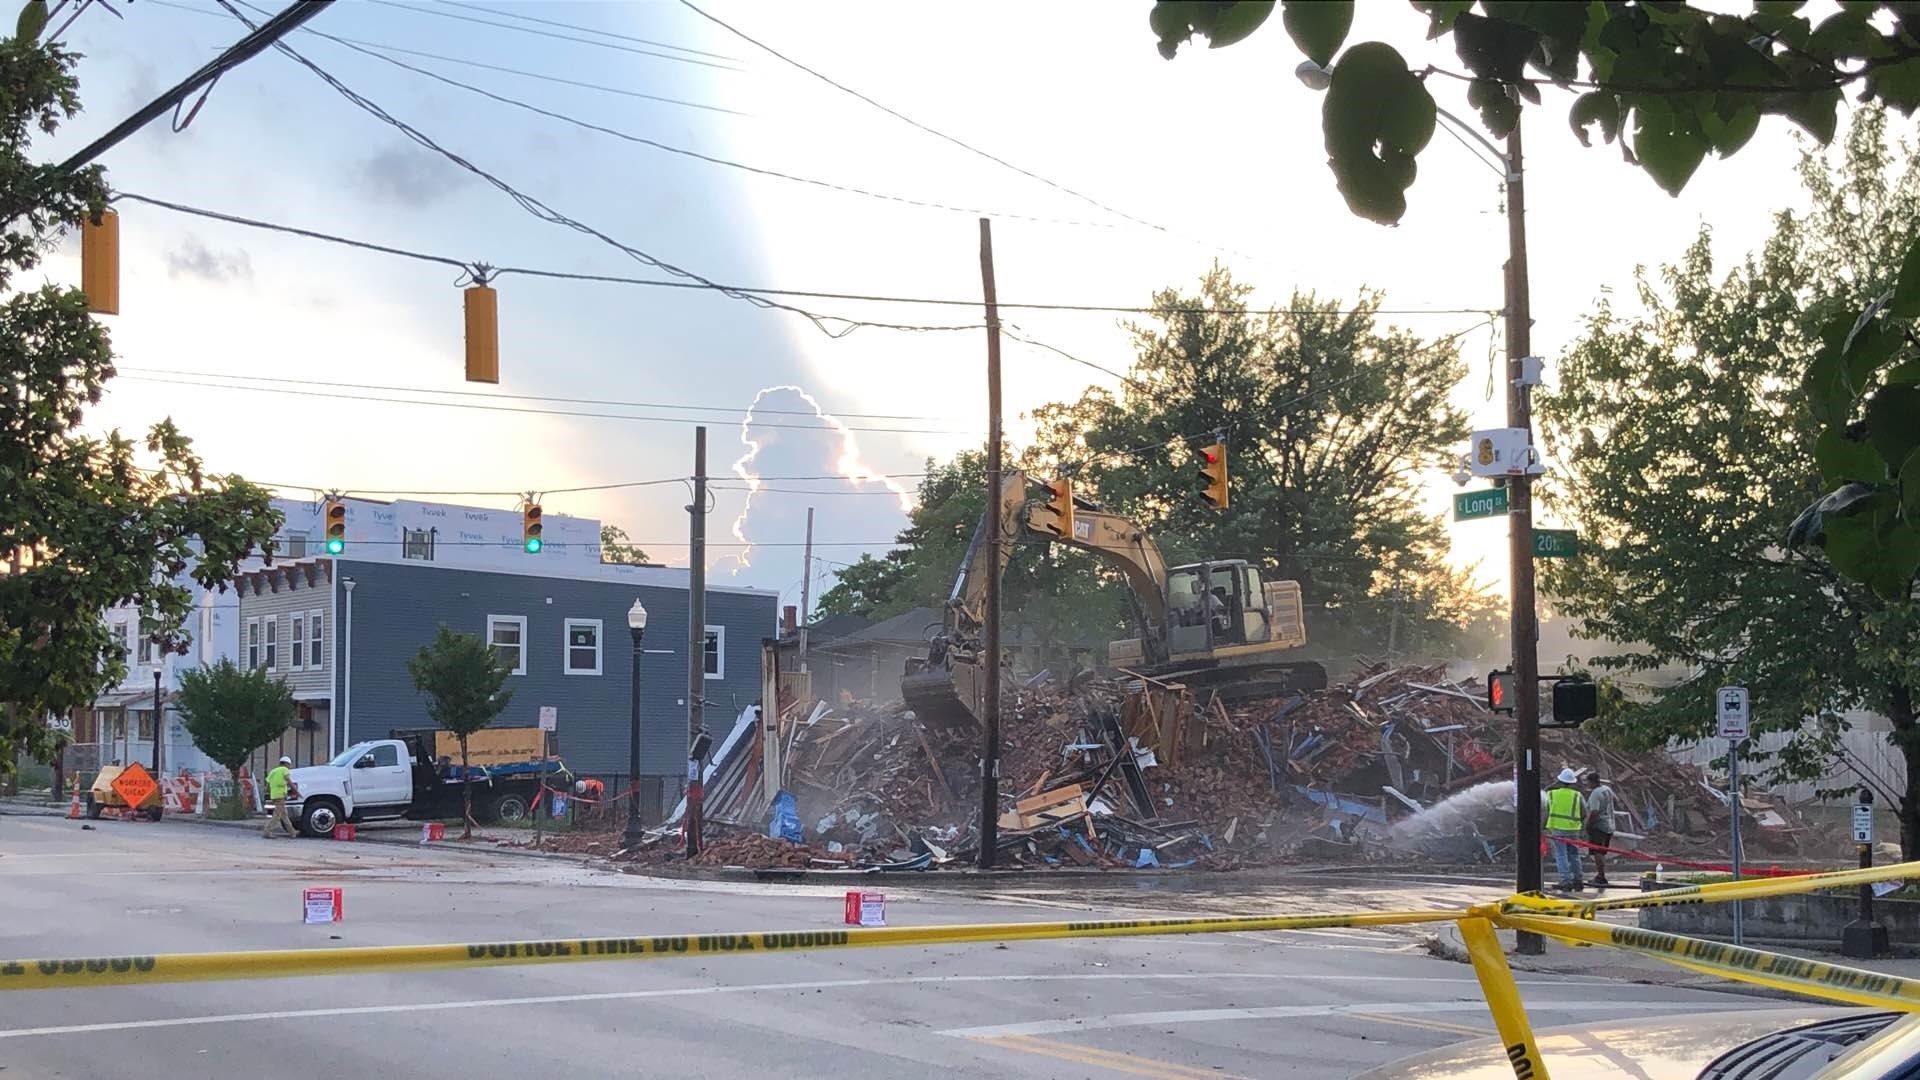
(1566, 816)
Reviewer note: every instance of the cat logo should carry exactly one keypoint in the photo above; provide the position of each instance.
(1486, 452)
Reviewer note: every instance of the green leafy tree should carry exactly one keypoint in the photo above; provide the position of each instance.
(82, 526)
(1683, 447)
(615, 547)
(231, 712)
(1670, 82)
(462, 678)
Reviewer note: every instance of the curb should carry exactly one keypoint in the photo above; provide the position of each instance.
(477, 847)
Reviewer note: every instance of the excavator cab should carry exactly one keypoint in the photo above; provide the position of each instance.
(1214, 605)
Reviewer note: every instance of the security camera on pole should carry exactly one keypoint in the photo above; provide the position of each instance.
(1730, 710)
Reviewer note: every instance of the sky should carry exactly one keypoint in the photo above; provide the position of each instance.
(1124, 173)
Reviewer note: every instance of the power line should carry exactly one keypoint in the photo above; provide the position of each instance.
(568, 37)
(521, 409)
(734, 412)
(548, 214)
(590, 30)
(804, 294)
(541, 76)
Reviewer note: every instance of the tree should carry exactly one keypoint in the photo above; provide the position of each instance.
(1683, 446)
(615, 547)
(1671, 83)
(463, 678)
(83, 527)
(230, 712)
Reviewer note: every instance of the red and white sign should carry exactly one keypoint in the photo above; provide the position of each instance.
(866, 908)
(433, 830)
(345, 831)
(322, 905)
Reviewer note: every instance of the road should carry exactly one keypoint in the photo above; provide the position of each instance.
(1325, 1003)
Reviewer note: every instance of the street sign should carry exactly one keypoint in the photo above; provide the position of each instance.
(1555, 543)
(549, 717)
(135, 785)
(1731, 711)
(1862, 823)
(1488, 502)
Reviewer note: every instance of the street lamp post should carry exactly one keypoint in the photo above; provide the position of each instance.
(1522, 620)
(637, 624)
(159, 722)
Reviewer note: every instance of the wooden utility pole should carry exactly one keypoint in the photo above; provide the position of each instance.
(990, 753)
(1523, 624)
(696, 627)
(806, 584)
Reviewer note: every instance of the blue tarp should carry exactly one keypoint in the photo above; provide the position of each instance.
(785, 824)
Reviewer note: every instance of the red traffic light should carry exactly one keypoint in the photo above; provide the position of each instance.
(1500, 691)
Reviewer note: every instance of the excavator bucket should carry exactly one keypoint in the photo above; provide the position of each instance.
(944, 697)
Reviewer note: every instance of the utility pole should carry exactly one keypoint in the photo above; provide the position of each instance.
(990, 754)
(697, 600)
(1523, 624)
(806, 583)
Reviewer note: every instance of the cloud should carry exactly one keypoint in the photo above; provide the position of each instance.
(406, 176)
(194, 259)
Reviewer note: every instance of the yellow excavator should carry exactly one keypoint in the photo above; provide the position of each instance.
(1212, 624)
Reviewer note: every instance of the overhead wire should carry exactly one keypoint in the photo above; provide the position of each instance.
(385, 47)
(736, 65)
(833, 326)
(504, 13)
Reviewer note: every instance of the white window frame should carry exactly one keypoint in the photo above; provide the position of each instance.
(516, 620)
(270, 645)
(719, 634)
(251, 647)
(296, 637)
(316, 641)
(566, 647)
(142, 646)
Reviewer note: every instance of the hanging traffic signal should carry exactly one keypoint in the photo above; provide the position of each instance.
(1212, 476)
(482, 306)
(1060, 505)
(100, 262)
(530, 528)
(334, 515)
(1502, 691)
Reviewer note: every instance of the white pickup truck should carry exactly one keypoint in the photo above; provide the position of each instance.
(397, 778)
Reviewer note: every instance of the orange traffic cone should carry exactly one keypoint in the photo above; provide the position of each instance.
(73, 809)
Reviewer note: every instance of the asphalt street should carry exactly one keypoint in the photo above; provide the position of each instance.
(1324, 1003)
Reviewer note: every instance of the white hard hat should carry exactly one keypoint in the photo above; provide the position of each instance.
(285, 760)
(1568, 776)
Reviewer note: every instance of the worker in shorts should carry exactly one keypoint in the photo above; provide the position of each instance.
(1599, 803)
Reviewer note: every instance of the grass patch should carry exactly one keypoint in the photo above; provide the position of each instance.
(231, 808)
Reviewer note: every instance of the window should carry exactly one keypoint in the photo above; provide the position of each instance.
(386, 755)
(508, 636)
(716, 650)
(416, 544)
(253, 644)
(583, 647)
(296, 637)
(313, 640)
(143, 725)
(296, 544)
(145, 645)
(273, 632)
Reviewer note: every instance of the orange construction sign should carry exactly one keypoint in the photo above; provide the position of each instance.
(135, 784)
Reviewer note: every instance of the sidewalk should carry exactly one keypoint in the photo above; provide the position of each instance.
(1612, 963)
(31, 806)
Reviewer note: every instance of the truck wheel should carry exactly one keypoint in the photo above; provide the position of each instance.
(510, 807)
(320, 817)
(94, 809)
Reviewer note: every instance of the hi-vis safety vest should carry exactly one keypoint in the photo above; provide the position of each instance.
(1563, 809)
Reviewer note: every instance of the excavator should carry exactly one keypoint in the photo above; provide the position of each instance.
(1213, 624)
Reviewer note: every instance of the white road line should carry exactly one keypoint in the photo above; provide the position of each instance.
(745, 988)
(1208, 1016)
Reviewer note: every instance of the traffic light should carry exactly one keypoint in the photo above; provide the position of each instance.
(100, 262)
(1575, 701)
(334, 514)
(482, 309)
(530, 528)
(1212, 476)
(1502, 691)
(1060, 503)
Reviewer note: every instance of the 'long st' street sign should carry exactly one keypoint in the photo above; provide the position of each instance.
(1487, 502)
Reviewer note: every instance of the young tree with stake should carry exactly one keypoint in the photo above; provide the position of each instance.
(231, 712)
(463, 678)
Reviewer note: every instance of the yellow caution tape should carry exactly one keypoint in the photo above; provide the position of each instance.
(288, 963)
(1718, 892)
(1811, 977)
(1503, 999)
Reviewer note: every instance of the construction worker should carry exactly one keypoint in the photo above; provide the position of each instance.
(1566, 817)
(1599, 802)
(280, 787)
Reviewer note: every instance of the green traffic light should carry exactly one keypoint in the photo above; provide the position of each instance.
(335, 546)
(533, 545)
